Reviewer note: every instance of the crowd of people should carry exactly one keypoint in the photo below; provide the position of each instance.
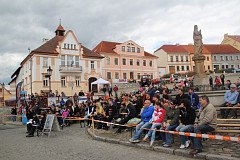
(151, 107)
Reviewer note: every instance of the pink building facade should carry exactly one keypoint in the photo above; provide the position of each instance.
(125, 60)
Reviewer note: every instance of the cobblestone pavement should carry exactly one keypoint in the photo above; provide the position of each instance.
(216, 147)
(72, 143)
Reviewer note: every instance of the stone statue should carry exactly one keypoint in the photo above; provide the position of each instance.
(198, 44)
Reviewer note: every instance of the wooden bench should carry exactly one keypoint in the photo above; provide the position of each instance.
(228, 123)
(131, 126)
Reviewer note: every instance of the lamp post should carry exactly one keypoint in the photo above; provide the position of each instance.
(49, 74)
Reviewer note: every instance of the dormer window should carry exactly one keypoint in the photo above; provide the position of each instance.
(138, 50)
(68, 46)
(74, 46)
(71, 46)
(133, 49)
(65, 45)
(123, 48)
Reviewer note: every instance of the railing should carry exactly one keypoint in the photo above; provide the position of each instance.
(64, 68)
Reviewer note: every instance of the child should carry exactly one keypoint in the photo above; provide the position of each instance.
(64, 116)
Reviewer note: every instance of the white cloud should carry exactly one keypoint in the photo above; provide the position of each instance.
(149, 23)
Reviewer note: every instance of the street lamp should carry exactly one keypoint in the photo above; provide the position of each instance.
(49, 74)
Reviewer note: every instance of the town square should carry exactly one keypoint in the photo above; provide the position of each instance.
(120, 79)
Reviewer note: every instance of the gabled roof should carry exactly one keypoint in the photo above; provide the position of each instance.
(172, 48)
(190, 49)
(16, 73)
(108, 47)
(234, 37)
(221, 48)
(87, 53)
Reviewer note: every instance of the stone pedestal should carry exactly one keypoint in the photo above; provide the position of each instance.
(200, 78)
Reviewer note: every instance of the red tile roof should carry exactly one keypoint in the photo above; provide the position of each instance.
(190, 49)
(172, 48)
(87, 53)
(235, 37)
(108, 47)
(221, 49)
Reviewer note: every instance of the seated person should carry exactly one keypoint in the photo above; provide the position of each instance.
(234, 111)
(131, 113)
(111, 112)
(230, 99)
(186, 118)
(170, 123)
(36, 123)
(99, 114)
(146, 116)
(156, 121)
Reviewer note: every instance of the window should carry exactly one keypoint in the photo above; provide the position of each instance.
(45, 62)
(108, 60)
(77, 80)
(70, 61)
(223, 67)
(178, 68)
(108, 75)
(116, 61)
(237, 57)
(221, 57)
(131, 75)
(124, 61)
(207, 58)
(71, 46)
(238, 66)
(181, 58)
(116, 75)
(74, 46)
(138, 62)
(231, 58)
(216, 67)
(133, 49)
(232, 66)
(138, 76)
(182, 67)
(92, 65)
(215, 58)
(186, 58)
(171, 58)
(187, 68)
(208, 67)
(226, 57)
(123, 48)
(138, 50)
(131, 62)
(77, 61)
(128, 49)
(226, 66)
(176, 58)
(63, 81)
(45, 82)
(63, 60)
(65, 45)
(124, 75)
(150, 63)
(144, 62)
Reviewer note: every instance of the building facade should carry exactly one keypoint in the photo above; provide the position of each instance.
(233, 40)
(125, 60)
(73, 66)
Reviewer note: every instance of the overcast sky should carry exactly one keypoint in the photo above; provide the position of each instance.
(150, 23)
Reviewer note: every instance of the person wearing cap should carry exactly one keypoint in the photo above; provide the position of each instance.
(230, 99)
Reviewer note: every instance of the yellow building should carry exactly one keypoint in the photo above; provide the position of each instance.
(233, 40)
(4, 95)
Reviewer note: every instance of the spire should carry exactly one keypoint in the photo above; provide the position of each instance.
(60, 30)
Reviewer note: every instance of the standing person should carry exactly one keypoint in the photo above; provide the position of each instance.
(205, 122)
(222, 77)
(211, 81)
(115, 89)
(104, 89)
(146, 116)
(110, 90)
(81, 93)
(194, 99)
(14, 113)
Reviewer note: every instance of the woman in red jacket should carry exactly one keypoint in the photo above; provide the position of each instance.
(157, 119)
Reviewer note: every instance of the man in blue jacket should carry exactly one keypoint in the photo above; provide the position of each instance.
(194, 99)
(146, 116)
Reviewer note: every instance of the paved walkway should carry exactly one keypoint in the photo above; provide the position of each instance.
(72, 143)
(215, 148)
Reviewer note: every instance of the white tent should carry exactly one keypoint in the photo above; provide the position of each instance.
(99, 81)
